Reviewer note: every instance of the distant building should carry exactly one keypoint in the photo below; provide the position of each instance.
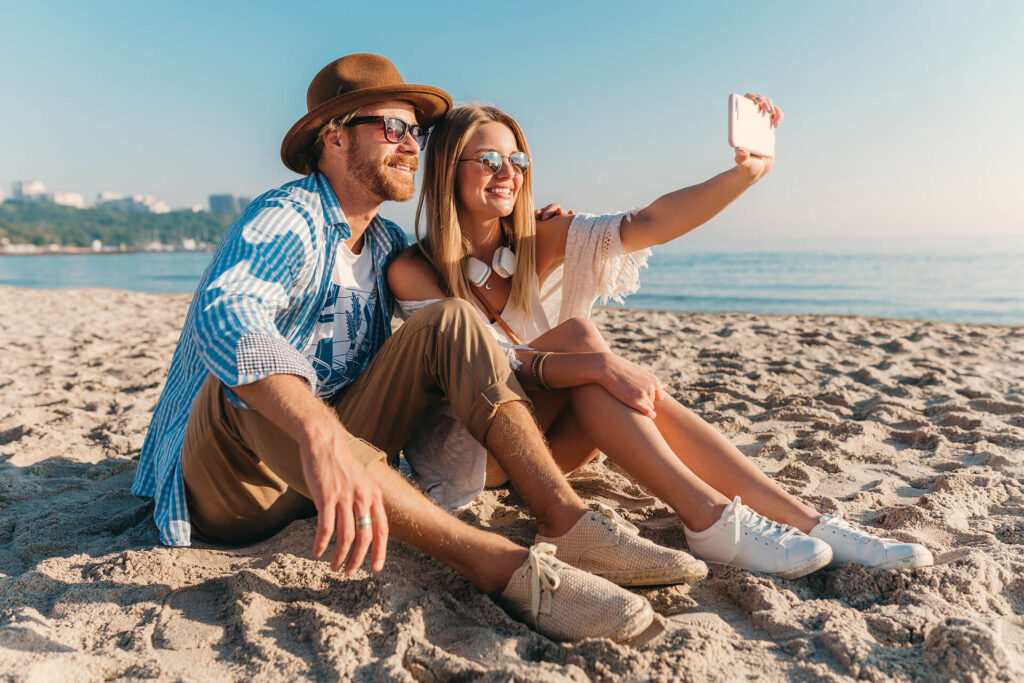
(1, 197)
(194, 208)
(30, 190)
(73, 199)
(224, 203)
(147, 202)
(137, 203)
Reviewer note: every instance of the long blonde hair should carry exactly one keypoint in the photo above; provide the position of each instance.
(446, 247)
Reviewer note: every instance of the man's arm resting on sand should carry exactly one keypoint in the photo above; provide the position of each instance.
(338, 482)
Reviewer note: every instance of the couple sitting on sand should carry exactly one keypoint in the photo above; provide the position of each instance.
(288, 395)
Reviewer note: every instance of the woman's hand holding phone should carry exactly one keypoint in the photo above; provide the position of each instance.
(752, 166)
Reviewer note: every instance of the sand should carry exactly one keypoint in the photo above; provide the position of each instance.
(914, 429)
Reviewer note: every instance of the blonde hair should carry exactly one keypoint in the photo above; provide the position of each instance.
(446, 247)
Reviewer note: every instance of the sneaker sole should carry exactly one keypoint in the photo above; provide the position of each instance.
(812, 564)
(912, 562)
(644, 628)
(650, 634)
(664, 576)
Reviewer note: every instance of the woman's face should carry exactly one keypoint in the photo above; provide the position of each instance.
(478, 191)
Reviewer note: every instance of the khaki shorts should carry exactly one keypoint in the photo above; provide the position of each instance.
(243, 476)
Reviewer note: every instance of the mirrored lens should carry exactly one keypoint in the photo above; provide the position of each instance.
(420, 133)
(394, 130)
(520, 162)
(492, 161)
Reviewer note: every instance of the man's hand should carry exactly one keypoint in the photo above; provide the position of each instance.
(338, 483)
(343, 491)
(550, 211)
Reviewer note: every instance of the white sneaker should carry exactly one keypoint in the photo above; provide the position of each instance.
(743, 538)
(850, 544)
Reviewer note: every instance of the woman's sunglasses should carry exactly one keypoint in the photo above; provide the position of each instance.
(395, 130)
(493, 162)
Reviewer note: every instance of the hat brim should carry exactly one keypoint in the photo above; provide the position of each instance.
(431, 104)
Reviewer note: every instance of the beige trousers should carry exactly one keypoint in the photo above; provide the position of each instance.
(243, 477)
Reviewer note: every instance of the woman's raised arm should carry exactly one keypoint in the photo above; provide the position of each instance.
(677, 213)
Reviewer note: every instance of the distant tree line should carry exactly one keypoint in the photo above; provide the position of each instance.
(44, 223)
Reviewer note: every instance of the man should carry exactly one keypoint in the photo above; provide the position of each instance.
(285, 395)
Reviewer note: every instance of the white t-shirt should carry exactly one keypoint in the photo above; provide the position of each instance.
(345, 320)
(354, 275)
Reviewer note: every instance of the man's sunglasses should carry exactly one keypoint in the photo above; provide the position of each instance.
(395, 130)
(493, 162)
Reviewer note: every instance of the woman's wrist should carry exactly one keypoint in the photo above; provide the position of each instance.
(744, 177)
(566, 369)
(594, 366)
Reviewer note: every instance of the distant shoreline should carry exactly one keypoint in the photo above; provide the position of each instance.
(952, 287)
(88, 251)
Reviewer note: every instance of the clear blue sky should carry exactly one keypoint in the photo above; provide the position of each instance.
(902, 118)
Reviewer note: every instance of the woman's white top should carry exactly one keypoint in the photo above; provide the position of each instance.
(446, 462)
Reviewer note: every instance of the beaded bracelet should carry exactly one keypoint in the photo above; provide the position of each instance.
(535, 370)
(540, 372)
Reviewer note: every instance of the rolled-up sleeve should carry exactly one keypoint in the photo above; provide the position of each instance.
(251, 279)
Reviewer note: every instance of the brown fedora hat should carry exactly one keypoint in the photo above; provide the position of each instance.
(346, 84)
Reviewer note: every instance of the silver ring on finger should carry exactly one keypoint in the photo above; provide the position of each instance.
(364, 521)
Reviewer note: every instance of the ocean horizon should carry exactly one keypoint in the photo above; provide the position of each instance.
(969, 279)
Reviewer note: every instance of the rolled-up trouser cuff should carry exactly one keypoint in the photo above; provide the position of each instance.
(487, 404)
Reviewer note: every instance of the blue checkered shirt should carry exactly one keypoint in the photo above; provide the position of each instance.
(262, 308)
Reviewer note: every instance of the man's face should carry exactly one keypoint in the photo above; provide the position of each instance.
(385, 168)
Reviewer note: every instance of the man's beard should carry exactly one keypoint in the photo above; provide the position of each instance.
(373, 173)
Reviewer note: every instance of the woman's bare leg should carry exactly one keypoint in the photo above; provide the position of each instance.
(625, 436)
(715, 460)
(704, 455)
(635, 444)
(570, 446)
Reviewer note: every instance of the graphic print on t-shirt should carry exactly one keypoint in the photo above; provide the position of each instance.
(344, 321)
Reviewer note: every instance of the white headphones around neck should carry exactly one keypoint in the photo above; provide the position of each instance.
(503, 264)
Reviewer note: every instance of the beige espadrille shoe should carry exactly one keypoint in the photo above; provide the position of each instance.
(567, 604)
(605, 544)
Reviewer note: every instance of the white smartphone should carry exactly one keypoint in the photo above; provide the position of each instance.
(749, 127)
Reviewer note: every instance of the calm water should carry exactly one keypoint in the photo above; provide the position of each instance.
(983, 285)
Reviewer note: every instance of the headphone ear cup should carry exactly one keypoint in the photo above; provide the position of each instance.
(504, 262)
(477, 271)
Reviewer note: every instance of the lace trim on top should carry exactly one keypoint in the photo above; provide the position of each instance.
(597, 267)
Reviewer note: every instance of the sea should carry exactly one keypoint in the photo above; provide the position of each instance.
(973, 280)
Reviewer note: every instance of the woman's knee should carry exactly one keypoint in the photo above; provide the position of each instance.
(581, 334)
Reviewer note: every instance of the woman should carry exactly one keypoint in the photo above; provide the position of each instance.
(477, 205)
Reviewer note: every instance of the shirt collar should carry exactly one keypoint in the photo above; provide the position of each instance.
(333, 214)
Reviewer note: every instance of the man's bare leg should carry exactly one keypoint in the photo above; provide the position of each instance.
(486, 559)
(516, 442)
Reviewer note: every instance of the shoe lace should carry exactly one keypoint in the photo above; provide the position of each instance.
(760, 525)
(544, 568)
(613, 521)
(836, 520)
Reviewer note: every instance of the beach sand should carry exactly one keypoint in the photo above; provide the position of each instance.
(914, 429)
